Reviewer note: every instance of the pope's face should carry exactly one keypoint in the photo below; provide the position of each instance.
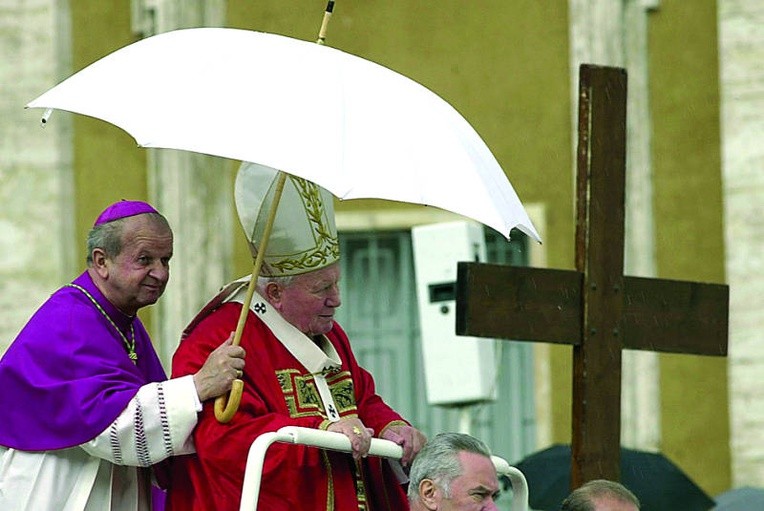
(138, 275)
(310, 299)
(476, 489)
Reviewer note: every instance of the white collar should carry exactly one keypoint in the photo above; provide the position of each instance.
(316, 357)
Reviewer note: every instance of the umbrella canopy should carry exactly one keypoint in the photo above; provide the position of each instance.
(352, 126)
(658, 483)
(746, 498)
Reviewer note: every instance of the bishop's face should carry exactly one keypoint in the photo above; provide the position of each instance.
(138, 275)
(309, 301)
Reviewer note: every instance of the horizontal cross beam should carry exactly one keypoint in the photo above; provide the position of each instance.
(534, 304)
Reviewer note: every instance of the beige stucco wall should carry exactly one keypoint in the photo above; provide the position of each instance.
(504, 66)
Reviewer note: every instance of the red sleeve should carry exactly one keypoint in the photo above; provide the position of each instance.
(224, 447)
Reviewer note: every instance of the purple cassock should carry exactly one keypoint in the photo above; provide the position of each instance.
(67, 376)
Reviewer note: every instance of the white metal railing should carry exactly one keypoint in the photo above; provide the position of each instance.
(338, 442)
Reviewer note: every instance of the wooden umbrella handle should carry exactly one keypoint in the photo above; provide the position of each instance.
(226, 407)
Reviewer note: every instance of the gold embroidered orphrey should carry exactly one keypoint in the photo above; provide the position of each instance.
(302, 400)
(301, 395)
(326, 246)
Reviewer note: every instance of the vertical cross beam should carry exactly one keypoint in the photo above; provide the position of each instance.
(600, 189)
(595, 308)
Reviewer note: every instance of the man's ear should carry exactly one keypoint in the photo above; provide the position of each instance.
(99, 263)
(429, 494)
(273, 294)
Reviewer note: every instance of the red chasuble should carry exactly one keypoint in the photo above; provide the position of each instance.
(279, 391)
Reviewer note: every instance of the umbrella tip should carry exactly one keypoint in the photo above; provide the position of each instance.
(325, 22)
(45, 117)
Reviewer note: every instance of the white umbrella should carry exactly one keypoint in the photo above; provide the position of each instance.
(352, 126)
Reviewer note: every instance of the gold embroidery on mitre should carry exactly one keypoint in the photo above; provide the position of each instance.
(326, 247)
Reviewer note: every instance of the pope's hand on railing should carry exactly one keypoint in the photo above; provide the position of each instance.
(222, 366)
(359, 435)
(408, 437)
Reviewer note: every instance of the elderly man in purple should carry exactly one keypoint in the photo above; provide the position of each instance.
(86, 409)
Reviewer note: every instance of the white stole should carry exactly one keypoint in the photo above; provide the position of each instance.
(317, 357)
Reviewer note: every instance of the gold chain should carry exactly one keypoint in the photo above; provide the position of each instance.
(130, 345)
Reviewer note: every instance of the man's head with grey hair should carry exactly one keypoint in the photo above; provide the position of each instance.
(108, 235)
(452, 471)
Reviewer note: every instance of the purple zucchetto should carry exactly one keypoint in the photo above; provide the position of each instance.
(123, 209)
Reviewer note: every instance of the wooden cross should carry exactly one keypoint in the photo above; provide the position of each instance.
(595, 308)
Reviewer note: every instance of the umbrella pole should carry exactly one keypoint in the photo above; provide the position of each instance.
(225, 408)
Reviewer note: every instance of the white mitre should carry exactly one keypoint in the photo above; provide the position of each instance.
(304, 234)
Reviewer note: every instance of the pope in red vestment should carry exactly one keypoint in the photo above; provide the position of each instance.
(299, 371)
(279, 391)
